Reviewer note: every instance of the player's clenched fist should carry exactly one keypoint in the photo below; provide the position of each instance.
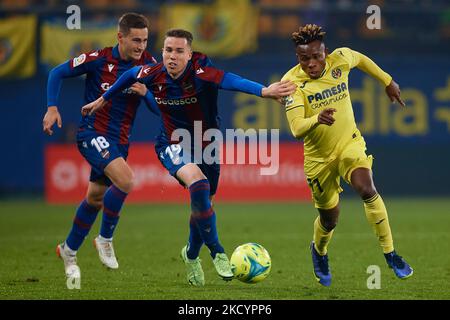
(326, 116)
(51, 116)
(139, 88)
(92, 107)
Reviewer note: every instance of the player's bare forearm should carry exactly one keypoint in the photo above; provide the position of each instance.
(393, 92)
(93, 107)
(279, 89)
(51, 116)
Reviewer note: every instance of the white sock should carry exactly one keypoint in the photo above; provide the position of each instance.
(105, 239)
(69, 251)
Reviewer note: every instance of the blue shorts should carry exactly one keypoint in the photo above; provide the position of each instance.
(99, 151)
(171, 157)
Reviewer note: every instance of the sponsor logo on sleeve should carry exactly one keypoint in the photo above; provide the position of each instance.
(79, 60)
(287, 101)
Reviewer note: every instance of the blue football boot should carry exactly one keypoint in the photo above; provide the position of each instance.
(321, 269)
(401, 268)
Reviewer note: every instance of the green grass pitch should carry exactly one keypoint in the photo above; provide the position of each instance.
(149, 238)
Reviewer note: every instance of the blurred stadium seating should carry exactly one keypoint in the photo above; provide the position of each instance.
(411, 149)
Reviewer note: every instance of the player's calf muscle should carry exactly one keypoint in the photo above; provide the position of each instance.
(365, 190)
(95, 193)
(95, 201)
(329, 218)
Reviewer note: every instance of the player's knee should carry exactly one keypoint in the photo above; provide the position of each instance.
(126, 184)
(196, 176)
(366, 191)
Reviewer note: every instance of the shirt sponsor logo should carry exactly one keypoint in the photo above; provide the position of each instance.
(327, 93)
(105, 86)
(110, 67)
(176, 102)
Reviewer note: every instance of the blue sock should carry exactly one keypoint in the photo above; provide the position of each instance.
(195, 240)
(82, 223)
(204, 216)
(112, 203)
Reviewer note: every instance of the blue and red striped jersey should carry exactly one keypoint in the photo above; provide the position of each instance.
(102, 68)
(191, 97)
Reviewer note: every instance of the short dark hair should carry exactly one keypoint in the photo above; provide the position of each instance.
(132, 20)
(308, 34)
(180, 33)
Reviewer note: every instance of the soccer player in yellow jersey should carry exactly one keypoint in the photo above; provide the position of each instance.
(320, 112)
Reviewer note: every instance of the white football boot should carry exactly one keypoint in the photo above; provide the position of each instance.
(195, 275)
(106, 252)
(70, 261)
(223, 266)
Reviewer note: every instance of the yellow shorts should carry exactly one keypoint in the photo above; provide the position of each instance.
(324, 177)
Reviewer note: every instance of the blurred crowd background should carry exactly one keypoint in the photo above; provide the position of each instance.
(251, 38)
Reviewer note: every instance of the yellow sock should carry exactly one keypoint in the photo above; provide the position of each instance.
(376, 214)
(321, 237)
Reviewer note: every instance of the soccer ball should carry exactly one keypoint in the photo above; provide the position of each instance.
(250, 263)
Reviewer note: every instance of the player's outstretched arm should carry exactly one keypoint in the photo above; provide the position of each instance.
(279, 89)
(276, 90)
(93, 107)
(55, 77)
(149, 99)
(54, 81)
(365, 64)
(124, 81)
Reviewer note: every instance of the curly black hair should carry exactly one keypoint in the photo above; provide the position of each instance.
(308, 34)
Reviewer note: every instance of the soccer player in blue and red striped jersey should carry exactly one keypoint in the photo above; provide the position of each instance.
(103, 138)
(185, 86)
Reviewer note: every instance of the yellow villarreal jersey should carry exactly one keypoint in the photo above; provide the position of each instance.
(322, 142)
